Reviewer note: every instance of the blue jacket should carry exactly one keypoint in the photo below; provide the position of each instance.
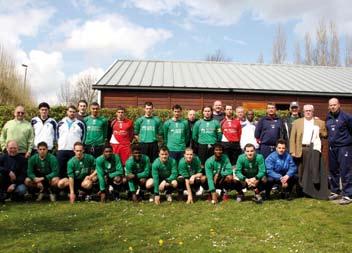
(280, 165)
(269, 130)
(339, 128)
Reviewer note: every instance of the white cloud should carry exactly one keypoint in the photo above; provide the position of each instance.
(23, 22)
(239, 42)
(113, 33)
(45, 74)
(96, 73)
(157, 6)
(305, 13)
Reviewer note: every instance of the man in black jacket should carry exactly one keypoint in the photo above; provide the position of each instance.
(13, 167)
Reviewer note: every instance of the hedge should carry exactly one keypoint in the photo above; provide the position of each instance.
(58, 112)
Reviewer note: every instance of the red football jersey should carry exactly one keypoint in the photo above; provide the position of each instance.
(231, 130)
(122, 131)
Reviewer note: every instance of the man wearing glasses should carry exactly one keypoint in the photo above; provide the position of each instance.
(19, 130)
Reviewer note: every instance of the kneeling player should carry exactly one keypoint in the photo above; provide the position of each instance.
(164, 173)
(250, 173)
(43, 172)
(81, 173)
(137, 171)
(218, 170)
(191, 175)
(110, 173)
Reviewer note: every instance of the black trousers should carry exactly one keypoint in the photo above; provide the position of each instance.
(232, 150)
(150, 149)
(63, 156)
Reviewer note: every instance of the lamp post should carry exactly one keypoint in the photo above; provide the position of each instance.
(25, 75)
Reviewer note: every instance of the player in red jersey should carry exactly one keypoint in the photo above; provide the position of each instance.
(122, 135)
(231, 135)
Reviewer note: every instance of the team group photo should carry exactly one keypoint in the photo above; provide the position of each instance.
(198, 126)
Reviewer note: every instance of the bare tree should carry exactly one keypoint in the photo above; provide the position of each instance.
(308, 56)
(348, 52)
(218, 55)
(65, 94)
(84, 89)
(279, 46)
(260, 58)
(334, 56)
(297, 53)
(321, 50)
(71, 93)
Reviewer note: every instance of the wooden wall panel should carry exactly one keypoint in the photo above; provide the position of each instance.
(196, 100)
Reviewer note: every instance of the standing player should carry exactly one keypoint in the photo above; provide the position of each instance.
(97, 128)
(164, 173)
(218, 114)
(110, 173)
(206, 132)
(231, 135)
(44, 127)
(339, 126)
(138, 169)
(176, 133)
(81, 110)
(81, 173)
(146, 130)
(69, 131)
(122, 135)
(269, 129)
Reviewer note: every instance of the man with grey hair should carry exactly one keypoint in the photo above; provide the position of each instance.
(19, 130)
(305, 146)
(339, 125)
(13, 167)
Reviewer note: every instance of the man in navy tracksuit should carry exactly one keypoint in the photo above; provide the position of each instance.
(339, 126)
(269, 129)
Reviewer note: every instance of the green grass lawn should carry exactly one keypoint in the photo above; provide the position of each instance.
(302, 225)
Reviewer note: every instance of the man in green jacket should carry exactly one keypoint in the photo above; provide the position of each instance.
(43, 172)
(146, 130)
(190, 174)
(81, 173)
(176, 133)
(19, 130)
(97, 130)
(110, 173)
(164, 173)
(218, 170)
(250, 173)
(137, 171)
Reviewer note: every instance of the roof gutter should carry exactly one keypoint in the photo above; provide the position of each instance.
(230, 90)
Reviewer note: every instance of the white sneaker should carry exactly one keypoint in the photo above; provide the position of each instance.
(151, 198)
(185, 193)
(345, 200)
(200, 191)
(334, 196)
(218, 191)
(40, 196)
(52, 197)
(168, 197)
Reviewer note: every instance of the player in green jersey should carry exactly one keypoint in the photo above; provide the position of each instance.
(97, 129)
(81, 173)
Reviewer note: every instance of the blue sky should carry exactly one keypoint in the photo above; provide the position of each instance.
(62, 40)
